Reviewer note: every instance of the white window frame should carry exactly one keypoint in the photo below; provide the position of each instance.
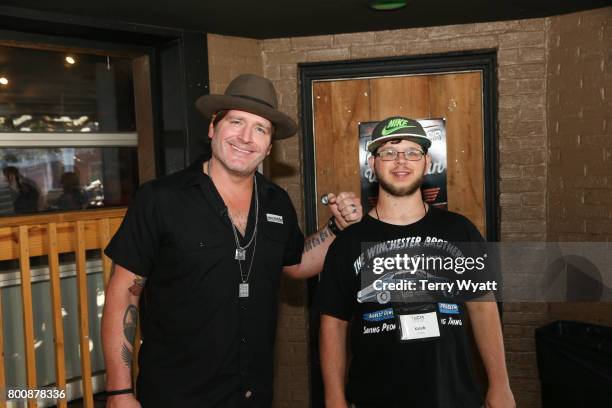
(68, 139)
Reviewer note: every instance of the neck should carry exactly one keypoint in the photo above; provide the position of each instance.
(226, 182)
(399, 210)
(235, 190)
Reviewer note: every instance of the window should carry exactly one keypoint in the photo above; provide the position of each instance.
(67, 131)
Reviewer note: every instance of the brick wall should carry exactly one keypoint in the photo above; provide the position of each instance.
(229, 57)
(579, 82)
(580, 122)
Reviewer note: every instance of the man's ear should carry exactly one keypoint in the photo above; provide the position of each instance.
(269, 149)
(211, 129)
(371, 160)
(427, 162)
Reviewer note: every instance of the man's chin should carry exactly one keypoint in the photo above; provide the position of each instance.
(400, 191)
(238, 168)
(243, 170)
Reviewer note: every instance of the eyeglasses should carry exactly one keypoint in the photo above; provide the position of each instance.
(391, 154)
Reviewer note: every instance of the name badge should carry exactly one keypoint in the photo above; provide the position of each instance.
(419, 326)
(274, 218)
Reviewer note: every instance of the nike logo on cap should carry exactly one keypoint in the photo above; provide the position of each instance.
(394, 125)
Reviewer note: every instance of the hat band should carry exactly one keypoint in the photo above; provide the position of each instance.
(255, 100)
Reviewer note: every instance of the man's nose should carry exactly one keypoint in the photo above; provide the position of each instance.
(246, 134)
(401, 157)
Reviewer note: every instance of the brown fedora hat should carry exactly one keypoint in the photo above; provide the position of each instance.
(253, 94)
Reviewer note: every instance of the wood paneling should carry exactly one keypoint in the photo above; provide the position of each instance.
(104, 229)
(342, 105)
(404, 96)
(62, 217)
(339, 106)
(38, 236)
(83, 314)
(28, 314)
(458, 98)
(56, 310)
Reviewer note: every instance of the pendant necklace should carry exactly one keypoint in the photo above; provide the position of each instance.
(240, 254)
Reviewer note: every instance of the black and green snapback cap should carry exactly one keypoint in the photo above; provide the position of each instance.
(398, 127)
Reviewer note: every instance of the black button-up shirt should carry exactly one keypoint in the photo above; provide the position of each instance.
(202, 343)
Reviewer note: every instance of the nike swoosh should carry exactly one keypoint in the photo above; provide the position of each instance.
(388, 131)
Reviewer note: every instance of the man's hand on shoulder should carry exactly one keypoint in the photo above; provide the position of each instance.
(346, 208)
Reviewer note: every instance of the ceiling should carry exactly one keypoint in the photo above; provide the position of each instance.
(292, 18)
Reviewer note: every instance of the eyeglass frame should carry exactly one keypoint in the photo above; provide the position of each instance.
(397, 152)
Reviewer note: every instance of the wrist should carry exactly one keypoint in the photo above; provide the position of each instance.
(335, 399)
(333, 227)
(335, 402)
(499, 383)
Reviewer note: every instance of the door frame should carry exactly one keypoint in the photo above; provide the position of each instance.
(484, 61)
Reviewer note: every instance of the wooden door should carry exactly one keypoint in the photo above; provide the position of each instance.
(340, 105)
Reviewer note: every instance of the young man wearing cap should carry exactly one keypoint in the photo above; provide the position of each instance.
(210, 241)
(408, 351)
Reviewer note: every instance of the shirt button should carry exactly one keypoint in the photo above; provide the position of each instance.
(248, 394)
(243, 340)
(243, 307)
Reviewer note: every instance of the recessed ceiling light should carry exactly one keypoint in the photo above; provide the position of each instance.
(3, 81)
(387, 5)
(70, 60)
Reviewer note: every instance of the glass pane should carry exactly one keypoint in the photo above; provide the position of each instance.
(51, 91)
(67, 178)
(13, 329)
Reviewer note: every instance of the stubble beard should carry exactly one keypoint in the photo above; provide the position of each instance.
(223, 160)
(400, 191)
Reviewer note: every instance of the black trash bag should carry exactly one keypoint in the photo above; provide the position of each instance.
(575, 365)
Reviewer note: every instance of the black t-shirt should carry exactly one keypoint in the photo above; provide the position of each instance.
(202, 343)
(384, 371)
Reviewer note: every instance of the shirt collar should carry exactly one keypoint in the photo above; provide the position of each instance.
(192, 174)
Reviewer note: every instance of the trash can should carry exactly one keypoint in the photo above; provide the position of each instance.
(575, 364)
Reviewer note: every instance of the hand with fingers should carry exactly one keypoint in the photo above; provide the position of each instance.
(346, 208)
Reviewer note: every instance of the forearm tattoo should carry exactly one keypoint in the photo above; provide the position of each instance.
(136, 288)
(316, 239)
(130, 322)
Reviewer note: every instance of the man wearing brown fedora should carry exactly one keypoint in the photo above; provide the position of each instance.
(210, 242)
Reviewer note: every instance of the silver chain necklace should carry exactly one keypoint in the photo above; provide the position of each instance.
(241, 250)
(240, 254)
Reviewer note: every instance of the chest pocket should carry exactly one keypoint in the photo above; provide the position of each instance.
(273, 242)
(198, 252)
